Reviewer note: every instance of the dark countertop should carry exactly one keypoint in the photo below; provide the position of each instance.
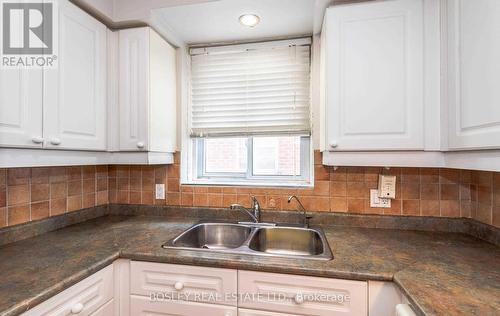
(441, 273)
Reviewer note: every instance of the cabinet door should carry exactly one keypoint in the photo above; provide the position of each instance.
(144, 306)
(294, 294)
(374, 76)
(87, 297)
(134, 88)
(163, 90)
(75, 92)
(474, 74)
(21, 108)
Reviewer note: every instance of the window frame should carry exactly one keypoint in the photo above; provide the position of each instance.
(200, 176)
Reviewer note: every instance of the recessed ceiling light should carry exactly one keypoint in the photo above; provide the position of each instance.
(249, 20)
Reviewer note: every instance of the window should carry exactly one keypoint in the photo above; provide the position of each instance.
(249, 117)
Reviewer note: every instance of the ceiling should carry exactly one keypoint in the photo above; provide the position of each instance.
(217, 21)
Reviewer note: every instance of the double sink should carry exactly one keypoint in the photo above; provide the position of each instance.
(255, 239)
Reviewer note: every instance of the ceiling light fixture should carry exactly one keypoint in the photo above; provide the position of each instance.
(249, 20)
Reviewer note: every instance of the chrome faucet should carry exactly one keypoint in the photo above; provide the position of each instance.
(305, 220)
(254, 212)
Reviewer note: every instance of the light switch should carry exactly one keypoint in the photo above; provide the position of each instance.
(160, 191)
(387, 186)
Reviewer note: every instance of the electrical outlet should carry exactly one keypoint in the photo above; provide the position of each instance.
(376, 201)
(160, 191)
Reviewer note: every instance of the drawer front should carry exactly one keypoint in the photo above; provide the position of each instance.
(251, 312)
(302, 295)
(87, 295)
(190, 283)
(107, 310)
(143, 306)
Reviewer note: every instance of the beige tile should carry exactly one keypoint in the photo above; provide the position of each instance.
(75, 188)
(103, 198)
(429, 208)
(40, 192)
(338, 204)
(3, 197)
(410, 191)
(74, 173)
(74, 203)
(449, 176)
(18, 214)
(450, 208)
(89, 200)
(411, 207)
(429, 175)
(450, 192)
(57, 174)
(357, 190)
(187, 199)
(321, 173)
(89, 185)
(58, 190)
(40, 175)
(410, 175)
(135, 197)
(18, 176)
(338, 189)
(3, 216)
(429, 191)
(18, 194)
(57, 206)
(355, 174)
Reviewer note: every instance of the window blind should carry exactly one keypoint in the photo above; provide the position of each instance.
(251, 89)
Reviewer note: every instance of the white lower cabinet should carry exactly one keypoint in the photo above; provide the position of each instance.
(144, 306)
(302, 295)
(91, 297)
(136, 288)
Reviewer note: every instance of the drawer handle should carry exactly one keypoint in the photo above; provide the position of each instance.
(140, 145)
(37, 140)
(77, 308)
(178, 286)
(334, 144)
(298, 299)
(55, 141)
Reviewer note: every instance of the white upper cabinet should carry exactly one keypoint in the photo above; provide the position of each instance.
(21, 108)
(372, 76)
(147, 91)
(473, 74)
(75, 91)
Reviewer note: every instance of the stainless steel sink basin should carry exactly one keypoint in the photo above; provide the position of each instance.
(214, 236)
(287, 241)
(275, 241)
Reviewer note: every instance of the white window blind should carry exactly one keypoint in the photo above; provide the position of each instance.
(251, 89)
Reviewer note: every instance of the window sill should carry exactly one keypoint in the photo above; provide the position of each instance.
(282, 184)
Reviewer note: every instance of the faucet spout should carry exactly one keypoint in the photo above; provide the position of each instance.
(254, 212)
(305, 219)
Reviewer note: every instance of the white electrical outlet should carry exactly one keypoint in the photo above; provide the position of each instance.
(375, 201)
(160, 191)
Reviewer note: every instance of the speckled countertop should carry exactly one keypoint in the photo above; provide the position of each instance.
(441, 273)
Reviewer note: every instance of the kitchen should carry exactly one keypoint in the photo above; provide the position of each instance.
(250, 157)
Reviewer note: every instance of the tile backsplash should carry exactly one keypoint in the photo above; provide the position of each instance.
(33, 193)
(28, 194)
